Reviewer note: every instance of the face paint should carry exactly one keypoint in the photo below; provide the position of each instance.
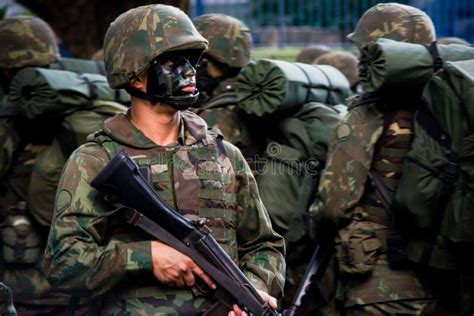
(206, 83)
(171, 79)
(180, 76)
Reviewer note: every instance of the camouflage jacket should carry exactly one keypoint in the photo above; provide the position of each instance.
(229, 119)
(348, 163)
(90, 254)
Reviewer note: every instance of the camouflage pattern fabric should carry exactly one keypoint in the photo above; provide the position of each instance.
(90, 254)
(395, 21)
(350, 150)
(26, 41)
(229, 120)
(140, 35)
(344, 61)
(230, 40)
(6, 301)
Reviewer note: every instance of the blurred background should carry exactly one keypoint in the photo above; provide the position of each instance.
(280, 28)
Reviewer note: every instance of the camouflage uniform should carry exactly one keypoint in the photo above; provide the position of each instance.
(223, 192)
(375, 136)
(28, 41)
(201, 176)
(230, 44)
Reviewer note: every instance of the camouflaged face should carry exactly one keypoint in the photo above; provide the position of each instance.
(26, 41)
(344, 61)
(230, 41)
(140, 35)
(394, 21)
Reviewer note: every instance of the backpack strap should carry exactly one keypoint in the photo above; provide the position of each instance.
(220, 101)
(427, 120)
(437, 60)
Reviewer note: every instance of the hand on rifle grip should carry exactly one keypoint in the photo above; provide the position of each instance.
(173, 268)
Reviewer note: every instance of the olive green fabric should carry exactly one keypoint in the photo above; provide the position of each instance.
(80, 65)
(47, 169)
(38, 93)
(450, 97)
(396, 65)
(267, 86)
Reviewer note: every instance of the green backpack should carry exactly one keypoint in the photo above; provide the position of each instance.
(435, 198)
(74, 105)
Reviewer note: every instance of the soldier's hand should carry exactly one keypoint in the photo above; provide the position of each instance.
(270, 300)
(173, 268)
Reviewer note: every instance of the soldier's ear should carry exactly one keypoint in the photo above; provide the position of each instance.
(140, 82)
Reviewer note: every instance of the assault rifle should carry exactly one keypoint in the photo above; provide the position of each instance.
(143, 207)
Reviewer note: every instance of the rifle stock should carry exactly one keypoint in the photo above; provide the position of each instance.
(144, 208)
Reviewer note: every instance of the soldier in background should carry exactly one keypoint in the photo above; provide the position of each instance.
(375, 136)
(91, 252)
(346, 62)
(26, 41)
(230, 48)
(453, 40)
(308, 54)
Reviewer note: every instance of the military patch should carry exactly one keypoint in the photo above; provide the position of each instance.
(343, 131)
(63, 200)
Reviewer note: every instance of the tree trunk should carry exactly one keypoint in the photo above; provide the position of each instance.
(81, 24)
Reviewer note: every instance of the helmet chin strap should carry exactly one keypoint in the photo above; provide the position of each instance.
(180, 103)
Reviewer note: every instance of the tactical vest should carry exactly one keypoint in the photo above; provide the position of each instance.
(191, 180)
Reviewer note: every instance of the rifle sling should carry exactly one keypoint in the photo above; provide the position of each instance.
(137, 219)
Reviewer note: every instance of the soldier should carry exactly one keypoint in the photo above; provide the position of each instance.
(371, 143)
(309, 54)
(26, 42)
(346, 62)
(152, 52)
(230, 46)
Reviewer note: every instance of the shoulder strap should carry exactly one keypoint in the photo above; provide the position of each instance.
(222, 100)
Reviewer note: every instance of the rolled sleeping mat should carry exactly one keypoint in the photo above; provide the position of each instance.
(80, 66)
(40, 92)
(266, 86)
(397, 65)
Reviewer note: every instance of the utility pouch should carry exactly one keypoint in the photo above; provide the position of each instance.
(357, 248)
(20, 239)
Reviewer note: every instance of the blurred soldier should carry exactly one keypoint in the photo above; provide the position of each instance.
(26, 41)
(308, 54)
(92, 252)
(374, 139)
(230, 46)
(346, 62)
(453, 40)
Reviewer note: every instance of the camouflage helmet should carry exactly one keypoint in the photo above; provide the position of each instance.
(26, 41)
(230, 41)
(395, 21)
(346, 62)
(308, 54)
(140, 35)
